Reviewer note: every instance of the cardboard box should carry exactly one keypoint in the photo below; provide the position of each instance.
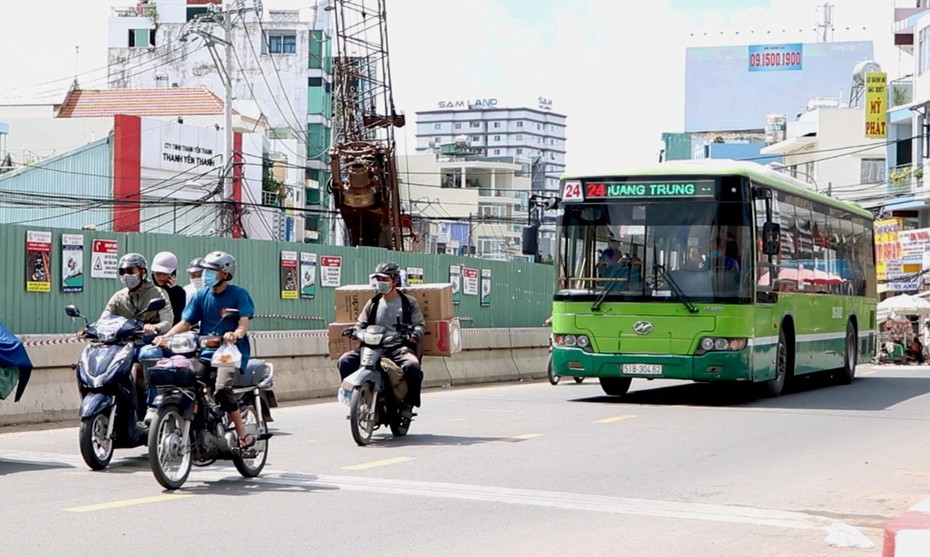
(444, 338)
(338, 344)
(434, 299)
(350, 300)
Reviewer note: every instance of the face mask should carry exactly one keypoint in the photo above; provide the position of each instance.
(383, 287)
(130, 281)
(197, 282)
(715, 253)
(209, 278)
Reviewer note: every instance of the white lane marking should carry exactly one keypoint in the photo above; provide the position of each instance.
(553, 499)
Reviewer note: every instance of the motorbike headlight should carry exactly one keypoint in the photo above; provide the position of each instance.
(183, 343)
(372, 339)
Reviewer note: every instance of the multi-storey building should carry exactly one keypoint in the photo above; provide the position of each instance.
(534, 137)
(466, 203)
(279, 65)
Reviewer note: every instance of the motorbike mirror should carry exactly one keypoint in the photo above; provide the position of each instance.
(72, 311)
(230, 315)
(155, 305)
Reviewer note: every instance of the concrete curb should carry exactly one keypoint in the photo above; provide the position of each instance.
(909, 534)
(303, 370)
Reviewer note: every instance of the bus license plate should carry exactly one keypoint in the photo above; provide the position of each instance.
(642, 369)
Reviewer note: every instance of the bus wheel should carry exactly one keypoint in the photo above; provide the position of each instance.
(774, 386)
(616, 386)
(850, 356)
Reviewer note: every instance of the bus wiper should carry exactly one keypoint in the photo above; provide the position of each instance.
(600, 297)
(675, 288)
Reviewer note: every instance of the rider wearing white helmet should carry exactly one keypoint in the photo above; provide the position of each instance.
(164, 275)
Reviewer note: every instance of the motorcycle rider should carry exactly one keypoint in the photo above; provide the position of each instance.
(164, 275)
(206, 308)
(195, 277)
(384, 309)
(128, 301)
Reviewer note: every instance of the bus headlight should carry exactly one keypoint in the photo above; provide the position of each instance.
(720, 344)
(572, 341)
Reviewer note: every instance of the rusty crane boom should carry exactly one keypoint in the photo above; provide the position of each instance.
(362, 160)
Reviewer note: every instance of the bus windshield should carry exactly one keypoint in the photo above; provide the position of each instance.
(696, 249)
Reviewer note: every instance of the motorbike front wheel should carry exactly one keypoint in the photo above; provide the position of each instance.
(169, 456)
(361, 414)
(96, 447)
(253, 462)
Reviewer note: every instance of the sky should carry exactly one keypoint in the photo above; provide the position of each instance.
(615, 71)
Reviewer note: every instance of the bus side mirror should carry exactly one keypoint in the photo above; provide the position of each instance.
(530, 240)
(771, 234)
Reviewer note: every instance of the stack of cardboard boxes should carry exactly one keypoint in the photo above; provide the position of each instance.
(443, 331)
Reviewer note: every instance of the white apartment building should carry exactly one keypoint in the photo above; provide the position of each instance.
(826, 148)
(279, 64)
(465, 204)
(532, 136)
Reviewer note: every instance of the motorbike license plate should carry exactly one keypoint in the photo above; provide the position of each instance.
(642, 369)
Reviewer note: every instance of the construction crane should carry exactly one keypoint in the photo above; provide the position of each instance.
(362, 160)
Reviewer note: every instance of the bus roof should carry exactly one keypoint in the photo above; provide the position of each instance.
(760, 173)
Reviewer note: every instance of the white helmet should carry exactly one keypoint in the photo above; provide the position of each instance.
(164, 262)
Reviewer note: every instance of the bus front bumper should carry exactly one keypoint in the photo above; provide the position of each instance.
(712, 366)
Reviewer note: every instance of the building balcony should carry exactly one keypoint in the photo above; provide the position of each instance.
(904, 21)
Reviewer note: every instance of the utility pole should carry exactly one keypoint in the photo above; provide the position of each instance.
(200, 27)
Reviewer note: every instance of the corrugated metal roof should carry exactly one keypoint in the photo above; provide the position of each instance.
(174, 101)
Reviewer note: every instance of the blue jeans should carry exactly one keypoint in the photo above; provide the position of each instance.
(148, 355)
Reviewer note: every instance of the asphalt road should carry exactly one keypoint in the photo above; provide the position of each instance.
(673, 469)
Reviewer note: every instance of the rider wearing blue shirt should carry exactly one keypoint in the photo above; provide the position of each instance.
(207, 307)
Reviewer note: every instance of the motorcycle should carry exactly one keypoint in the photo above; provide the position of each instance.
(374, 391)
(108, 387)
(190, 428)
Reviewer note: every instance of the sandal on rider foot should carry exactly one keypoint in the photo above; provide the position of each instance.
(247, 441)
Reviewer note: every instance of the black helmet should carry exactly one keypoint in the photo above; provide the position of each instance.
(387, 269)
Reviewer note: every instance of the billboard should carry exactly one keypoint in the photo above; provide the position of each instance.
(733, 88)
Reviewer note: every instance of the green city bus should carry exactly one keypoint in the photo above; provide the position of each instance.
(710, 270)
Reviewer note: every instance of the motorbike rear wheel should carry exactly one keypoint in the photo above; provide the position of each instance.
(361, 414)
(252, 466)
(96, 448)
(399, 426)
(169, 456)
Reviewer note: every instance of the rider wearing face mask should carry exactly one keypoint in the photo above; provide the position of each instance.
(206, 308)
(128, 301)
(385, 308)
(195, 275)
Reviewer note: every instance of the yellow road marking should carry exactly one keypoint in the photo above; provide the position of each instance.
(518, 438)
(127, 503)
(615, 419)
(377, 463)
(869, 372)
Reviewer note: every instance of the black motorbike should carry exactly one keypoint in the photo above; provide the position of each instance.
(190, 428)
(373, 392)
(109, 406)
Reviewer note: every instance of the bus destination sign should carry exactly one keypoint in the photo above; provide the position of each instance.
(657, 190)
